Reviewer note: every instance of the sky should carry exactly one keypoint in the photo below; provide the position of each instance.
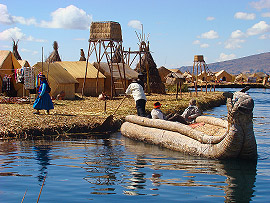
(177, 30)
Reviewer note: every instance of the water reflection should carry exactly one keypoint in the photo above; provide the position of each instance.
(42, 152)
(239, 176)
(103, 160)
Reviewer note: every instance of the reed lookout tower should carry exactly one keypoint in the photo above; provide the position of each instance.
(105, 43)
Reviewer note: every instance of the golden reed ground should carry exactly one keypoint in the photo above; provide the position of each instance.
(82, 116)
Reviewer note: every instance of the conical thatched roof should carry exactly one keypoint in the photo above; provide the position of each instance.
(82, 58)
(54, 56)
(163, 72)
(15, 50)
(156, 85)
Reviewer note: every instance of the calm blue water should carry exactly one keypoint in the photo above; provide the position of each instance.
(122, 170)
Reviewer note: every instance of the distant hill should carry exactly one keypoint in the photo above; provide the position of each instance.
(249, 64)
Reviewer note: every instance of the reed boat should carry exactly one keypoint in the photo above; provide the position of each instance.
(209, 136)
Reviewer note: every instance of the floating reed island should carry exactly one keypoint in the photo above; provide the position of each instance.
(82, 118)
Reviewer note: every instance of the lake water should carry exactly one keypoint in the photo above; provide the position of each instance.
(121, 170)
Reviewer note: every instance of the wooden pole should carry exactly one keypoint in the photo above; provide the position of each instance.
(86, 66)
(42, 60)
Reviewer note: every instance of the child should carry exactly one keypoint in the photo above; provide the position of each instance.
(156, 113)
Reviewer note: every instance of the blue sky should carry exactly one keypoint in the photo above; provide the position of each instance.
(178, 29)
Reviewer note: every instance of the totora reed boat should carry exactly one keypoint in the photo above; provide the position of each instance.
(209, 137)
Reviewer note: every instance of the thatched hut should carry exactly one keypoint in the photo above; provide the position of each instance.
(223, 76)
(54, 56)
(77, 70)
(24, 63)
(155, 83)
(188, 76)
(206, 76)
(163, 72)
(175, 70)
(241, 78)
(260, 76)
(8, 64)
(105, 70)
(60, 79)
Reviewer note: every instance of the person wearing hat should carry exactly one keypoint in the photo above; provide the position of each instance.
(136, 90)
(156, 113)
(43, 100)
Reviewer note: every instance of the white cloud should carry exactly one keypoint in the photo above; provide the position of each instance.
(234, 43)
(17, 34)
(22, 20)
(70, 17)
(258, 28)
(265, 36)
(204, 45)
(32, 39)
(209, 35)
(259, 5)
(135, 24)
(225, 57)
(29, 51)
(210, 18)
(5, 17)
(10, 33)
(237, 34)
(245, 16)
(196, 42)
(266, 15)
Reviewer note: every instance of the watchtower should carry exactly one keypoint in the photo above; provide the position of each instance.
(199, 69)
(106, 42)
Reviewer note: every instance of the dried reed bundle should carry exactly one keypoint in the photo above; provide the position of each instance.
(105, 30)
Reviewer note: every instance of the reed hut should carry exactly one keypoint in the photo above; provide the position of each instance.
(163, 72)
(77, 70)
(8, 64)
(206, 76)
(54, 56)
(105, 70)
(155, 83)
(24, 63)
(59, 79)
(188, 76)
(241, 78)
(260, 76)
(175, 70)
(223, 76)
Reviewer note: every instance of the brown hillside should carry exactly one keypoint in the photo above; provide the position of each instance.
(251, 64)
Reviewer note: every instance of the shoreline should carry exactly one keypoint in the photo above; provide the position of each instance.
(83, 118)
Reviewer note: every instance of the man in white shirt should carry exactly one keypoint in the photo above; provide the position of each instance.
(156, 113)
(136, 90)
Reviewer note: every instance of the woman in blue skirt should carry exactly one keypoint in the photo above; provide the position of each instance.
(43, 100)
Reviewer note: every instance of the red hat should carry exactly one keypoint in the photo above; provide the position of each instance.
(157, 105)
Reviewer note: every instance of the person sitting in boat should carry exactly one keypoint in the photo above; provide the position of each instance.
(136, 90)
(156, 113)
(43, 100)
(189, 115)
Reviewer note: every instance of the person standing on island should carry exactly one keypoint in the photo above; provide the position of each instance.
(156, 113)
(136, 90)
(43, 100)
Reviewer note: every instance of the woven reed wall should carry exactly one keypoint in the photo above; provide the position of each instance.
(198, 58)
(105, 30)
